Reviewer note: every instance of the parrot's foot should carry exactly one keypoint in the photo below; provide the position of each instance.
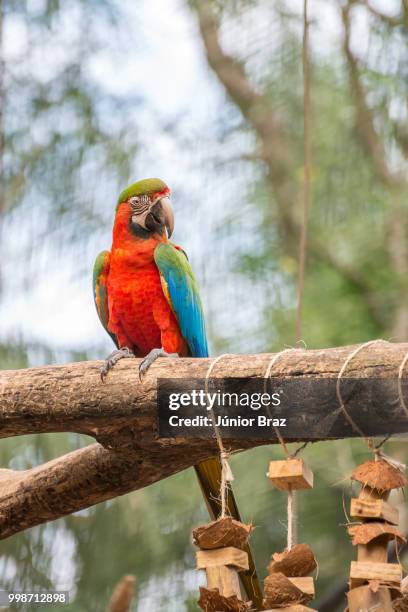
(113, 358)
(151, 358)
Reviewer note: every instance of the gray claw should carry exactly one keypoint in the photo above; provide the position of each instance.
(113, 358)
(151, 358)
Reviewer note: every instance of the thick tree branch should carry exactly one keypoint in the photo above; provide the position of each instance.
(256, 109)
(364, 116)
(122, 415)
(373, 145)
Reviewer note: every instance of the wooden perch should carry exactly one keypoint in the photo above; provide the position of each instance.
(122, 416)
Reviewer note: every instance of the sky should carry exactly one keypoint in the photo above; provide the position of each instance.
(166, 64)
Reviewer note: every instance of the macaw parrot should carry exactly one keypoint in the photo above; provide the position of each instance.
(146, 294)
(148, 301)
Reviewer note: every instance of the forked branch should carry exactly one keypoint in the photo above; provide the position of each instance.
(122, 416)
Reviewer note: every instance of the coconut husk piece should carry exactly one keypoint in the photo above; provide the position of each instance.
(212, 601)
(298, 561)
(400, 604)
(367, 532)
(375, 585)
(379, 475)
(222, 533)
(280, 591)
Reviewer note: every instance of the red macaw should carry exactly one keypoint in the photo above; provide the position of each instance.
(148, 301)
(145, 291)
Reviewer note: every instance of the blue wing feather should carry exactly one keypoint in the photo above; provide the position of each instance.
(184, 296)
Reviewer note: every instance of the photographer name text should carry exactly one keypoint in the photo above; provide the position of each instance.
(226, 421)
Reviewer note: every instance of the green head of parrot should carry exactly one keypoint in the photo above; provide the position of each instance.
(149, 207)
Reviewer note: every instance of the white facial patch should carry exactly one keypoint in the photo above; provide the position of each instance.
(140, 209)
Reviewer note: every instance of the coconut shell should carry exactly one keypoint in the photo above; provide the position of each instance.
(376, 585)
(367, 532)
(379, 475)
(222, 533)
(212, 601)
(279, 590)
(298, 561)
(400, 604)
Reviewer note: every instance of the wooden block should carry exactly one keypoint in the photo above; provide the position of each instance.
(304, 584)
(222, 556)
(375, 552)
(290, 473)
(362, 571)
(363, 598)
(225, 579)
(374, 509)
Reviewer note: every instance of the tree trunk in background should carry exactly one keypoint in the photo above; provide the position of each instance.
(274, 151)
(397, 246)
(397, 240)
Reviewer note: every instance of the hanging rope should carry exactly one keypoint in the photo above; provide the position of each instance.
(307, 161)
(291, 507)
(291, 511)
(400, 373)
(267, 376)
(292, 519)
(349, 358)
(226, 473)
(375, 449)
(307, 154)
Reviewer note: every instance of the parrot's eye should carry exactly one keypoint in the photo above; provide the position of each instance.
(140, 204)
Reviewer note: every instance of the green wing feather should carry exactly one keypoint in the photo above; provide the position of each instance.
(100, 276)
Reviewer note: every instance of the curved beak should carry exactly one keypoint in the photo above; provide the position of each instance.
(159, 217)
(162, 213)
(168, 215)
